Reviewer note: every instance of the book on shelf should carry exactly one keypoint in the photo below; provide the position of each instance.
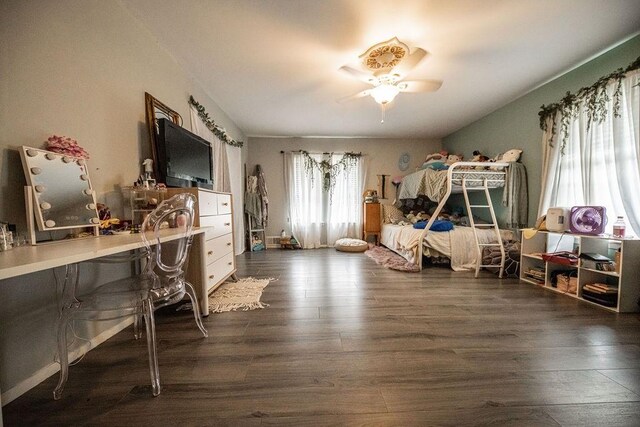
(598, 265)
(600, 288)
(593, 256)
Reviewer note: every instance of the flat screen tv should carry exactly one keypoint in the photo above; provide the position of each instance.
(184, 159)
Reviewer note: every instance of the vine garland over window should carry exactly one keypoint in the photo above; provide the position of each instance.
(329, 171)
(217, 130)
(594, 98)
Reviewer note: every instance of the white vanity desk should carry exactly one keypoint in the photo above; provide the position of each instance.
(29, 259)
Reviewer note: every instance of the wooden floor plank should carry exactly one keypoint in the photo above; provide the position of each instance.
(345, 341)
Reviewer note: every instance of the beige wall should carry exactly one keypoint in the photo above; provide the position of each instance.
(382, 158)
(76, 68)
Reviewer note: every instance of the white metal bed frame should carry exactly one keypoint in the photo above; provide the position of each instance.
(459, 182)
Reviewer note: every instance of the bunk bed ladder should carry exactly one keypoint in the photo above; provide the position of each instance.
(475, 227)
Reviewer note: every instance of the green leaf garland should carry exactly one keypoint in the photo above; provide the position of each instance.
(329, 171)
(592, 98)
(217, 130)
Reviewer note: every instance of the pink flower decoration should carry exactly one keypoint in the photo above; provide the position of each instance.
(66, 145)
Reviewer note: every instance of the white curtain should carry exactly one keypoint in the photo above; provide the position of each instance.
(304, 198)
(316, 216)
(225, 159)
(344, 218)
(601, 163)
(236, 182)
(221, 179)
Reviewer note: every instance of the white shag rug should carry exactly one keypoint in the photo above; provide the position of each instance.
(241, 295)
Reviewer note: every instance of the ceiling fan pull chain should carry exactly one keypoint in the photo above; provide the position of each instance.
(382, 106)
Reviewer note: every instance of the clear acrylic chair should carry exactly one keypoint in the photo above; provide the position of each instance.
(160, 283)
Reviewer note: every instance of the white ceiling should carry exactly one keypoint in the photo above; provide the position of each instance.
(272, 65)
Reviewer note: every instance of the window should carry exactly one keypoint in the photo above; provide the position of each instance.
(597, 163)
(317, 216)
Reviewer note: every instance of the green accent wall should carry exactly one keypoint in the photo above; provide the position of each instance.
(516, 124)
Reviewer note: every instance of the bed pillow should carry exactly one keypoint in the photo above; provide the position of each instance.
(391, 214)
(438, 225)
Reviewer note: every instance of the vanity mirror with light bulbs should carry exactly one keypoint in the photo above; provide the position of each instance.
(58, 194)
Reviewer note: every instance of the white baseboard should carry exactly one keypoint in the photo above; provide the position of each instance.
(44, 373)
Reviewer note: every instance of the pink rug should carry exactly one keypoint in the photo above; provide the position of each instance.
(387, 258)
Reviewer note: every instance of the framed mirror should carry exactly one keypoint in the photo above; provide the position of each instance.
(59, 193)
(156, 110)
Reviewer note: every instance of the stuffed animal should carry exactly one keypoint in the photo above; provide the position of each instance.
(452, 158)
(415, 217)
(479, 157)
(512, 155)
(435, 161)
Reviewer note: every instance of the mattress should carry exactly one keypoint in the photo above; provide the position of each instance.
(458, 244)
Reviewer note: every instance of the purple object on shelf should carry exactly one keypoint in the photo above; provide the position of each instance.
(588, 219)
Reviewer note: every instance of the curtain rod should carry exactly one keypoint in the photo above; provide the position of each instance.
(311, 152)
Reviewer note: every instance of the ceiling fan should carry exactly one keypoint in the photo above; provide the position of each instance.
(384, 66)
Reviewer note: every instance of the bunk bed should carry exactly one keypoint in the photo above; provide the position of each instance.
(462, 243)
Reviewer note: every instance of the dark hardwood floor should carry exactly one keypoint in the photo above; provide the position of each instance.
(345, 341)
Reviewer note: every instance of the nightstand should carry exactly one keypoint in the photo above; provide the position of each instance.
(371, 221)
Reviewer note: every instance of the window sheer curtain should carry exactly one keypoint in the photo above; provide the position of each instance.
(344, 217)
(601, 163)
(315, 216)
(304, 198)
(227, 174)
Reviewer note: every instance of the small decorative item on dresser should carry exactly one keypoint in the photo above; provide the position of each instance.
(370, 196)
(66, 145)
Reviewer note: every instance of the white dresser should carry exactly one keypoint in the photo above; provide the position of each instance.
(212, 258)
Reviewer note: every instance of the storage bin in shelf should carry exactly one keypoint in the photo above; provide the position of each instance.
(139, 201)
(624, 252)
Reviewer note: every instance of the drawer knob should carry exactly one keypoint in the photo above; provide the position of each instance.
(229, 244)
(211, 277)
(225, 204)
(230, 263)
(210, 253)
(227, 224)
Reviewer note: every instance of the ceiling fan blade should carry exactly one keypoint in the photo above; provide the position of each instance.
(360, 75)
(360, 94)
(413, 86)
(408, 63)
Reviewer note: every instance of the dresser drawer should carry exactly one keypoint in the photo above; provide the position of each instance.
(220, 269)
(217, 247)
(220, 224)
(224, 204)
(207, 203)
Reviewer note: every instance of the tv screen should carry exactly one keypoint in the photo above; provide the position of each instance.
(184, 159)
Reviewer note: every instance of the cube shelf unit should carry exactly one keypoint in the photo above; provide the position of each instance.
(625, 278)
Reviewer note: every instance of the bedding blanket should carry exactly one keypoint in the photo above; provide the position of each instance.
(429, 182)
(458, 244)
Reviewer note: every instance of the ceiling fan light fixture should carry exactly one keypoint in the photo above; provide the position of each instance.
(384, 93)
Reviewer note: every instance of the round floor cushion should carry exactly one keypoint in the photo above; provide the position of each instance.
(351, 245)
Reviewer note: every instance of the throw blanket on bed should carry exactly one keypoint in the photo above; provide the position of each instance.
(429, 182)
(458, 244)
(515, 196)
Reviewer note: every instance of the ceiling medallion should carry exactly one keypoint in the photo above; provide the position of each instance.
(384, 55)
